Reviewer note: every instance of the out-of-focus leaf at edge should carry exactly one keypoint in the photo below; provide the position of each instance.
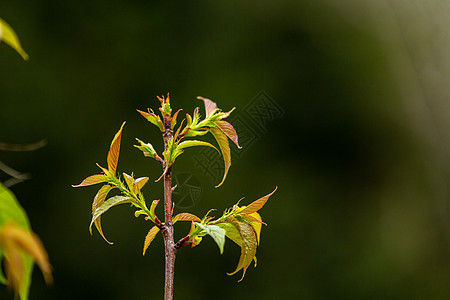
(229, 130)
(114, 149)
(150, 237)
(186, 217)
(222, 140)
(257, 204)
(217, 233)
(98, 201)
(107, 205)
(210, 106)
(248, 247)
(192, 143)
(11, 211)
(91, 180)
(8, 35)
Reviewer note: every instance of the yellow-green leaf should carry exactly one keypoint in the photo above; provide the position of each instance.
(107, 205)
(192, 143)
(114, 149)
(257, 204)
(150, 237)
(8, 35)
(139, 184)
(99, 199)
(222, 140)
(248, 247)
(256, 223)
(217, 233)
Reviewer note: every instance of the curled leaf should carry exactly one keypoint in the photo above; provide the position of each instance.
(150, 237)
(210, 106)
(153, 118)
(152, 210)
(139, 184)
(174, 119)
(8, 35)
(258, 204)
(192, 143)
(99, 199)
(129, 180)
(248, 246)
(222, 140)
(114, 149)
(107, 205)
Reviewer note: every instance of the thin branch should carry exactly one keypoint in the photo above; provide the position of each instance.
(23, 147)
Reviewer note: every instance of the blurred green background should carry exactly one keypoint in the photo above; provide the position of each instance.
(353, 131)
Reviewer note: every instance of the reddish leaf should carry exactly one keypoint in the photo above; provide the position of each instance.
(256, 205)
(174, 119)
(210, 106)
(222, 140)
(114, 149)
(150, 237)
(186, 217)
(228, 129)
(91, 180)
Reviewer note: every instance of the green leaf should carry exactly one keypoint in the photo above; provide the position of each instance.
(114, 149)
(222, 140)
(152, 118)
(192, 143)
(217, 233)
(12, 212)
(248, 247)
(258, 204)
(231, 232)
(152, 210)
(107, 205)
(8, 35)
(150, 237)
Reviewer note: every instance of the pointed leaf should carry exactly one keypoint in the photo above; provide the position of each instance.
(91, 180)
(98, 201)
(192, 143)
(210, 106)
(229, 130)
(186, 217)
(107, 205)
(217, 233)
(174, 119)
(114, 149)
(258, 204)
(8, 35)
(150, 237)
(139, 184)
(222, 140)
(248, 247)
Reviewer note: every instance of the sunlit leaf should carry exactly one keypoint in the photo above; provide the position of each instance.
(129, 180)
(107, 205)
(139, 184)
(8, 35)
(152, 209)
(114, 150)
(210, 106)
(256, 223)
(99, 199)
(153, 118)
(256, 205)
(217, 233)
(222, 140)
(91, 180)
(248, 247)
(174, 119)
(231, 232)
(229, 130)
(150, 237)
(192, 143)
(186, 217)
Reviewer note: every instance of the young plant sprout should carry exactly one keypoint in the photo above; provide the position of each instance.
(241, 224)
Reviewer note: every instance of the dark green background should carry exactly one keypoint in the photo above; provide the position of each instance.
(359, 153)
